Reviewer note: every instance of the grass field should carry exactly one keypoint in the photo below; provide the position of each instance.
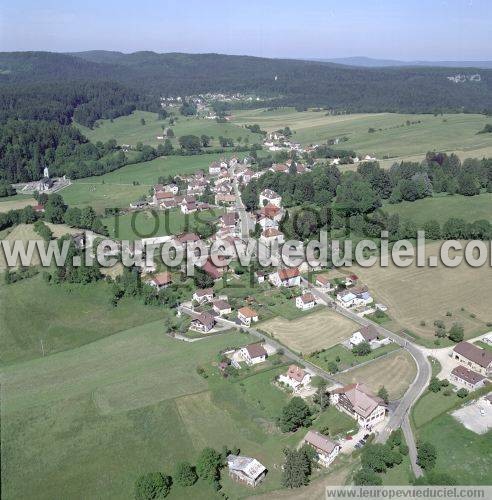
(93, 418)
(338, 423)
(453, 132)
(100, 196)
(16, 202)
(441, 208)
(395, 371)
(170, 222)
(26, 233)
(62, 317)
(460, 452)
(425, 294)
(129, 183)
(316, 331)
(129, 130)
(346, 357)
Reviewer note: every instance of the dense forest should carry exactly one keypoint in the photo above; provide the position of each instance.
(286, 82)
(353, 198)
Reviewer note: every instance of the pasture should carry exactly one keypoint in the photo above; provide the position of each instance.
(26, 233)
(392, 137)
(417, 296)
(62, 317)
(129, 404)
(313, 332)
(461, 453)
(131, 182)
(99, 195)
(16, 202)
(441, 208)
(146, 225)
(129, 130)
(395, 371)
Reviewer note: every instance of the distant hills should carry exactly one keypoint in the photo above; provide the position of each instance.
(368, 62)
(300, 83)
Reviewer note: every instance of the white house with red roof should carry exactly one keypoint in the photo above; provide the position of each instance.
(271, 235)
(246, 315)
(289, 277)
(203, 295)
(161, 280)
(296, 378)
(305, 301)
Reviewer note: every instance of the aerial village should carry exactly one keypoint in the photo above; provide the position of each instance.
(211, 310)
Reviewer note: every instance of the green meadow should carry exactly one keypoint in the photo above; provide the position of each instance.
(95, 417)
(129, 130)
(144, 224)
(129, 183)
(392, 137)
(442, 207)
(39, 318)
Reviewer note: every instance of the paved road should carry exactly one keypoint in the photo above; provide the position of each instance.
(241, 209)
(399, 418)
(266, 338)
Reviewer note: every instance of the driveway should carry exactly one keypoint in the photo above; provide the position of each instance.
(476, 417)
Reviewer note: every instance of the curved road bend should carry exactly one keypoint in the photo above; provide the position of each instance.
(400, 417)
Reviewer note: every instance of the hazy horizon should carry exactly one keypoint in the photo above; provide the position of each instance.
(420, 31)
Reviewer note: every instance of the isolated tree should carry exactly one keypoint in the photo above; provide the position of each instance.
(321, 397)
(362, 349)
(142, 121)
(383, 394)
(152, 485)
(456, 333)
(426, 455)
(462, 393)
(295, 414)
(185, 474)
(202, 279)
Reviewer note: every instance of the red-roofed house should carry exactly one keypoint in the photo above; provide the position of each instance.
(289, 276)
(161, 280)
(305, 301)
(296, 377)
(272, 234)
(246, 315)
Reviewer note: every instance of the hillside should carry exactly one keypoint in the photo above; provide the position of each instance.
(288, 82)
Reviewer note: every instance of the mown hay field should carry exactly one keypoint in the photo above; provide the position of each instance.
(417, 296)
(313, 332)
(395, 371)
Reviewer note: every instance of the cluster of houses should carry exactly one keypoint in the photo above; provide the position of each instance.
(349, 293)
(220, 307)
